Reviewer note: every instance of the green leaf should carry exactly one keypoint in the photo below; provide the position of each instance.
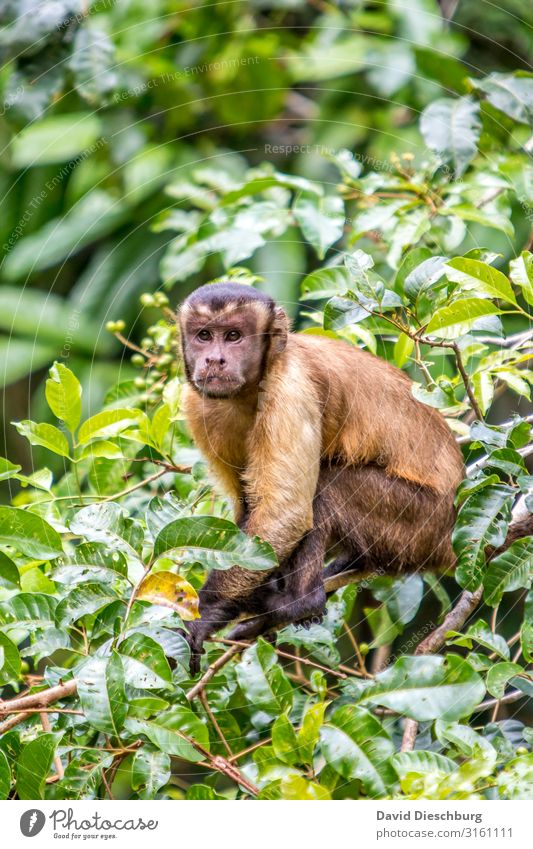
(515, 382)
(46, 435)
(5, 776)
(48, 318)
(97, 214)
(29, 611)
(7, 469)
(83, 601)
(63, 394)
(487, 217)
(33, 765)
(9, 574)
(9, 661)
(321, 220)
(355, 744)
(102, 694)
(201, 792)
(160, 425)
(325, 282)
(499, 675)
(458, 318)
(521, 273)
(150, 770)
(83, 775)
(109, 423)
(29, 534)
(108, 523)
(341, 312)
(172, 731)
(91, 62)
(284, 740)
(20, 357)
(105, 448)
(402, 597)
(272, 180)
(258, 677)
(421, 762)
(220, 543)
(403, 349)
(162, 511)
(483, 386)
(510, 93)
(482, 522)
(463, 738)
(452, 128)
(480, 633)
(510, 570)
(298, 788)
(55, 139)
(90, 562)
(515, 781)
(145, 664)
(480, 278)
(309, 733)
(526, 641)
(424, 688)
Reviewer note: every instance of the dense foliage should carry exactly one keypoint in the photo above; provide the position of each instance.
(382, 190)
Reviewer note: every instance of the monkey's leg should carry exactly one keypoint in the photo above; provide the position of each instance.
(386, 525)
(296, 594)
(224, 596)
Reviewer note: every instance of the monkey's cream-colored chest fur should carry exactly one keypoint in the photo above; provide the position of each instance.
(221, 429)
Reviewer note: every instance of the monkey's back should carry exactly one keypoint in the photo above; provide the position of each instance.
(370, 414)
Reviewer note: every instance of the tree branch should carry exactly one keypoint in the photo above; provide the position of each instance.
(211, 671)
(454, 621)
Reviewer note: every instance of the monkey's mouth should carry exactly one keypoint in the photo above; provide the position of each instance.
(217, 385)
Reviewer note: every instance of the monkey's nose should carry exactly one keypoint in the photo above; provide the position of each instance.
(215, 361)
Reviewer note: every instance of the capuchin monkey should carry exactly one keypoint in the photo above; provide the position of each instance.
(322, 449)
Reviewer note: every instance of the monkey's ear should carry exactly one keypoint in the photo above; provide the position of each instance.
(279, 332)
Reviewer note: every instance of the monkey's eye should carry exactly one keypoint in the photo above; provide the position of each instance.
(233, 336)
(204, 335)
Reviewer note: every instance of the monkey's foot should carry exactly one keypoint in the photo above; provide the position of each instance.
(284, 610)
(306, 623)
(195, 639)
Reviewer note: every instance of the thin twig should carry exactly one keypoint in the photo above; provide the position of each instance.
(203, 698)
(287, 655)
(250, 749)
(221, 764)
(106, 785)
(211, 671)
(138, 485)
(513, 696)
(357, 650)
(467, 384)
(47, 728)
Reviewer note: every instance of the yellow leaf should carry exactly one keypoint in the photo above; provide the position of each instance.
(172, 591)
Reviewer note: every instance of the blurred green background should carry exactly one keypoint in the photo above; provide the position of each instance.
(110, 109)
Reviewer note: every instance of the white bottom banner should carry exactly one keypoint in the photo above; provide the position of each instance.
(235, 825)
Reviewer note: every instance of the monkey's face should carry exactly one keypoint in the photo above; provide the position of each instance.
(224, 353)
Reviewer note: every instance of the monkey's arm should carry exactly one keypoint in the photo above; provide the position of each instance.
(284, 460)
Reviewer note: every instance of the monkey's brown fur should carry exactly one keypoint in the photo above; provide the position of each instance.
(323, 450)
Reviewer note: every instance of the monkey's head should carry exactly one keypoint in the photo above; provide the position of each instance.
(230, 335)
